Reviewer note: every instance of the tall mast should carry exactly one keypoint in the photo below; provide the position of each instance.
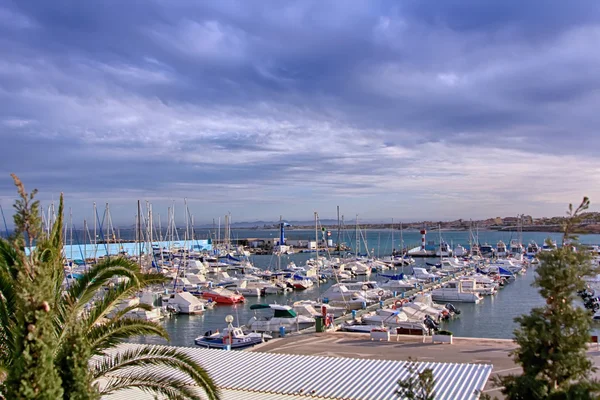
(95, 226)
(187, 223)
(107, 212)
(280, 242)
(401, 241)
(440, 234)
(393, 238)
(85, 235)
(317, 238)
(71, 231)
(139, 230)
(357, 248)
(338, 230)
(4, 220)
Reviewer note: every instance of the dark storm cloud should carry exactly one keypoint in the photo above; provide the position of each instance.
(327, 98)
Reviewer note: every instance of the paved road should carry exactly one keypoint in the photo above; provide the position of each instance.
(463, 350)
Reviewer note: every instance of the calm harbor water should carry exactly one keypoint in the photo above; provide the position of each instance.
(492, 318)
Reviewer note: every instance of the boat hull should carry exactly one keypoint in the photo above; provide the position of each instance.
(223, 299)
(219, 343)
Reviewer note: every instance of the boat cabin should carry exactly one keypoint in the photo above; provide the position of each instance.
(279, 310)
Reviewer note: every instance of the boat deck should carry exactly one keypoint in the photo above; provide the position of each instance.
(357, 345)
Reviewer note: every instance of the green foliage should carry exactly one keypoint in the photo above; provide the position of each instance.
(33, 343)
(73, 363)
(552, 340)
(419, 385)
(443, 332)
(57, 343)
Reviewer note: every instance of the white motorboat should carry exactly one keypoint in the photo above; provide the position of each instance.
(358, 268)
(453, 291)
(312, 308)
(301, 283)
(471, 285)
(136, 309)
(283, 316)
(422, 274)
(399, 284)
(444, 250)
(393, 319)
(368, 289)
(246, 288)
(183, 303)
(532, 249)
(511, 265)
(233, 336)
(516, 248)
(501, 249)
(549, 245)
(460, 251)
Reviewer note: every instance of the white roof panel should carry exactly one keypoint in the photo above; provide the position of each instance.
(301, 376)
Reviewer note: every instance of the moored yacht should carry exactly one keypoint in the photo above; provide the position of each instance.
(222, 296)
(516, 248)
(549, 245)
(283, 316)
(532, 249)
(454, 291)
(393, 319)
(460, 251)
(183, 303)
(501, 249)
(486, 250)
(231, 336)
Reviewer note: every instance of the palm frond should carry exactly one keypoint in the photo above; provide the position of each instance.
(9, 258)
(112, 298)
(56, 238)
(112, 332)
(133, 364)
(149, 384)
(84, 289)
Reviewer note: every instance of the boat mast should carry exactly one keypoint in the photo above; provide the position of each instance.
(440, 234)
(393, 249)
(71, 231)
(85, 235)
(357, 248)
(95, 231)
(4, 220)
(139, 232)
(280, 243)
(338, 230)
(317, 239)
(401, 242)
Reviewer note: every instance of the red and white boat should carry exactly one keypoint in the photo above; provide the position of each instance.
(223, 296)
(301, 284)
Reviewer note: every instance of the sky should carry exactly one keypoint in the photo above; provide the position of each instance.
(409, 109)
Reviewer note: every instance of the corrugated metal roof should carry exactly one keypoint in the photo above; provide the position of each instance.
(226, 394)
(330, 377)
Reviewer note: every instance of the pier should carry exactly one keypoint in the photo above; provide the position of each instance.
(424, 288)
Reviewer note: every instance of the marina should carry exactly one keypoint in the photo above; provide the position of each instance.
(488, 312)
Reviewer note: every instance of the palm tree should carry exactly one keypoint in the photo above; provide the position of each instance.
(88, 328)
